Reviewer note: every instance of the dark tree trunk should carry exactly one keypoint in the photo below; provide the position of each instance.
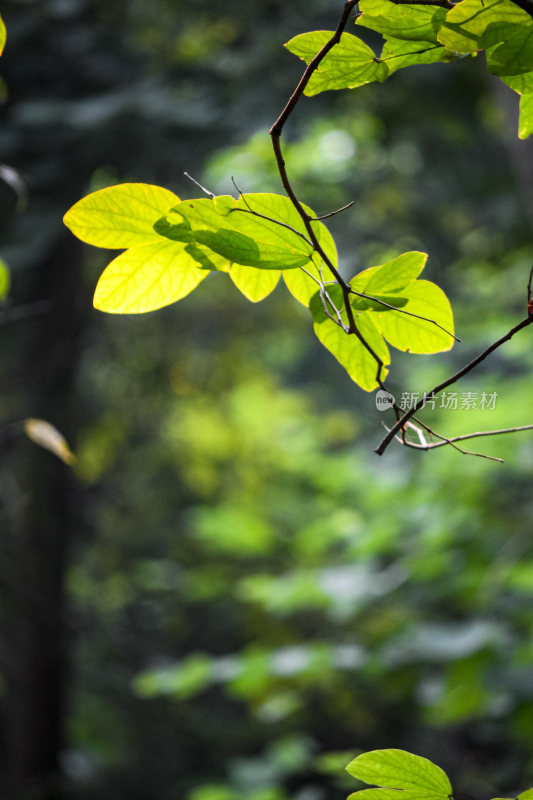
(38, 542)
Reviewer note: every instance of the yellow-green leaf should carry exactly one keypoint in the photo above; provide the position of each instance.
(395, 794)
(300, 284)
(401, 21)
(2, 36)
(255, 284)
(416, 335)
(525, 125)
(515, 55)
(398, 769)
(5, 279)
(349, 351)
(399, 53)
(349, 64)
(147, 277)
(476, 24)
(394, 275)
(120, 216)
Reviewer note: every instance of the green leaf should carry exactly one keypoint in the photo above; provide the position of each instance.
(414, 23)
(477, 24)
(525, 795)
(398, 53)
(119, 216)
(255, 284)
(2, 36)
(300, 284)
(347, 349)
(147, 277)
(525, 126)
(523, 83)
(399, 769)
(394, 300)
(515, 55)
(5, 279)
(394, 275)
(349, 64)
(415, 335)
(395, 794)
(258, 230)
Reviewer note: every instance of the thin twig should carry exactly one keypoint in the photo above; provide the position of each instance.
(445, 440)
(332, 213)
(199, 185)
(380, 449)
(478, 434)
(271, 219)
(441, 3)
(461, 450)
(403, 311)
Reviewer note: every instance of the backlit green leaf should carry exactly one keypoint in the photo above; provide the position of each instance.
(255, 284)
(415, 335)
(523, 84)
(381, 302)
(399, 53)
(349, 351)
(394, 275)
(478, 24)
(147, 277)
(349, 64)
(2, 36)
(525, 126)
(398, 769)
(5, 279)
(401, 21)
(119, 216)
(515, 55)
(258, 230)
(396, 794)
(300, 284)
(526, 795)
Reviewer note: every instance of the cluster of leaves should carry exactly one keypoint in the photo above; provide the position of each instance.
(426, 34)
(398, 773)
(173, 244)
(257, 238)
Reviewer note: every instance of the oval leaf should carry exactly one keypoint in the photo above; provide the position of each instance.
(396, 794)
(351, 63)
(349, 351)
(416, 335)
(2, 36)
(402, 22)
(393, 276)
(147, 277)
(301, 285)
(255, 284)
(398, 769)
(120, 216)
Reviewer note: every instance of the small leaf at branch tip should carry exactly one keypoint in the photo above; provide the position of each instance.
(398, 769)
(47, 436)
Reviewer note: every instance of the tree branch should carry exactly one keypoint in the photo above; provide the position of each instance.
(400, 424)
